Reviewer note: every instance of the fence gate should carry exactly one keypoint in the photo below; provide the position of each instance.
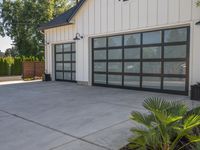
(33, 69)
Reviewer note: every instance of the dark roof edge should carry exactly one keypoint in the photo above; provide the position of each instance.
(67, 20)
(54, 26)
(77, 9)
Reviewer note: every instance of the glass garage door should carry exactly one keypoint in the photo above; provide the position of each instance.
(154, 60)
(65, 62)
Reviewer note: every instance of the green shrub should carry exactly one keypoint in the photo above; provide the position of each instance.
(16, 68)
(13, 65)
(167, 126)
(4, 67)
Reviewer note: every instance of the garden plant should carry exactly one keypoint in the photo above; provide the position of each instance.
(168, 125)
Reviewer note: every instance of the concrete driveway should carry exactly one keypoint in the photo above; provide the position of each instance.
(67, 116)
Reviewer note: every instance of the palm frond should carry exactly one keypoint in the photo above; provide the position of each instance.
(194, 111)
(191, 122)
(154, 104)
(193, 139)
(148, 139)
(177, 108)
(144, 119)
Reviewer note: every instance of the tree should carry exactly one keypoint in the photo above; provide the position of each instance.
(198, 3)
(11, 52)
(20, 20)
(1, 54)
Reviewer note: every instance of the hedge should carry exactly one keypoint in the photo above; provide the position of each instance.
(10, 66)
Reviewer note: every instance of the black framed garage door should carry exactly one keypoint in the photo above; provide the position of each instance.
(65, 62)
(154, 60)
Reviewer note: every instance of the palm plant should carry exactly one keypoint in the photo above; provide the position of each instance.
(168, 125)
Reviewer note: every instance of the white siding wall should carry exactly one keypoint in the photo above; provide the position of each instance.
(103, 17)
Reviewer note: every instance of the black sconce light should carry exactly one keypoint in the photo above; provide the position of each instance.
(198, 23)
(78, 37)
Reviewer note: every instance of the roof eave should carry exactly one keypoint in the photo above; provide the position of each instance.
(54, 26)
(77, 9)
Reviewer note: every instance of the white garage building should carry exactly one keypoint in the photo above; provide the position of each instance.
(138, 44)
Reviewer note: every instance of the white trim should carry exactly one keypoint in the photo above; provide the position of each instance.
(144, 29)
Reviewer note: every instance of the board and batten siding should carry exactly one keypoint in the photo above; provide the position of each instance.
(108, 17)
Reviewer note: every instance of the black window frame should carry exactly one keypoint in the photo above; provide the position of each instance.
(63, 61)
(141, 60)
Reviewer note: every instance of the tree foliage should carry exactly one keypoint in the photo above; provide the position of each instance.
(20, 20)
(198, 3)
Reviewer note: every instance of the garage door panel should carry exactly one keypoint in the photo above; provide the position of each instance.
(175, 35)
(179, 51)
(132, 53)
(152, 67)
(132, 81)
(152, 52)
(65, 59)
(153, 60)
(132, 39)
(115, 79)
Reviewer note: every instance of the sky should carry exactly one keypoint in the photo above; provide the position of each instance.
(5, 42)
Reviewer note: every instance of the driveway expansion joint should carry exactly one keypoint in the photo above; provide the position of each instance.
(55, 130)
(54, 148)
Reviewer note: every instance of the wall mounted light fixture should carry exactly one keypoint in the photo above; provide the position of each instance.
(78, 37)
(198, 23)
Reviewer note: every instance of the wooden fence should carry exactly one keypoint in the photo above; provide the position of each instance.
(33, 69)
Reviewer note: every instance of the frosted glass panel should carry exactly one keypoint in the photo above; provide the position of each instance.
(152, 37)
(67, 66)
(152, 67)
(67, 76)
(151, 52)
(132, 39)
(176, 35)
(100, 55)
(132, 53)
(175, 51)
(132, 81)
(73, 56)
(114, 67)
(100, 78)
(74, 76)
(174, 67)
(151, 82)
(100, 66)
(115, 41)
(177, 84)
(59, 75)
(99, 42)
(132, 67)
(59, 66)
(114, 54)
(59, 57)
(67, 47)
(67, 57)
(58, 48)
(73, 66)
(115, 79)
